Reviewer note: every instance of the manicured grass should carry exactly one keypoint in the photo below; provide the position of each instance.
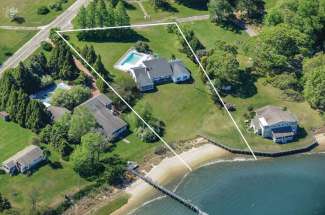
(135, 13)
(48, 184)
(13, 139)
(187, 109)
(113, 205)
(176, 11)
(11, 41)
(28, 10)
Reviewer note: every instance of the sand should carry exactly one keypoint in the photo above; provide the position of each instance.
(167, 171)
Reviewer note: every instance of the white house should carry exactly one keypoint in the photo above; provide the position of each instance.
(24, 160)
(275, 123)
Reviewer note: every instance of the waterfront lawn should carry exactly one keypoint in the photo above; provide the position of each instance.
(113, 205)
(13, 138)
(27, 9)
(11, 41)
(187, 109)
(48, 184)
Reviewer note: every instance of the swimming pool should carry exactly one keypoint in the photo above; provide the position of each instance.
(45, 95)
(131, 59)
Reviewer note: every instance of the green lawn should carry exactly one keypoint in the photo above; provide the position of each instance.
(13, 139)
(187, 109)
(176, 11)
(28, 10)
(48, 184)
(11, 41)
(113, 205)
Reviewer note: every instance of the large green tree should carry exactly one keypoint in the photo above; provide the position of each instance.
(82, 121)
(280, 49)
(314, 88)
(37, 116)
(221, 11)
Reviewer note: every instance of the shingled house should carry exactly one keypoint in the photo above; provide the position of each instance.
(102, 109)
(24, 160)
(157, 71)
(275, 123)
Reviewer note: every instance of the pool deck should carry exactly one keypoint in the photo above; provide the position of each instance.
(128, 66)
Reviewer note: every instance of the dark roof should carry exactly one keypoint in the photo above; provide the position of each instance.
(142, 77)
(99, 107)
(158, 68)
(178, 68)
(57, 112)
(282, 132)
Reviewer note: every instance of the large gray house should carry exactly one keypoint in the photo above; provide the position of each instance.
(157, 71)
(275, 123)
(102, 109)
(24, 160)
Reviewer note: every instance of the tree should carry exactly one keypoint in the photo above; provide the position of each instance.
(221, 11)
(85, 158)
(192, 40)
(7, 85)
(38, 116)
(25, 80)
(82, 121)
(4, 203)
(306, 16)
(143, 47)
(115, 168)
(82, 17)
(280, 49)
(314, 88)
(158, 4)
(100, 68)
(251, 9)
(71, 98)
(142, 130)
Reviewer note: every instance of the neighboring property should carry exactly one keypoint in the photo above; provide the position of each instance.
(57, 112)
(275, 123)
(5, 116)
(147, 70)
(24, 160)
(102, 109)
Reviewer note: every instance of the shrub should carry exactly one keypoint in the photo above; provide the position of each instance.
(143, 47)
(160, 150)
(56, 6)
(46, 46)
(46, 81)
(42, 10)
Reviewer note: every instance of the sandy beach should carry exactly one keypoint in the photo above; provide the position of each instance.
(168, 170)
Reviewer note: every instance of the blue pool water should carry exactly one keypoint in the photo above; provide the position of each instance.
(132, 58)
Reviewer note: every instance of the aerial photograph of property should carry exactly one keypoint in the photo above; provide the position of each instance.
(162, 107)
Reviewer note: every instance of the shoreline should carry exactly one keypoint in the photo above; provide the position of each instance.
(169, 170)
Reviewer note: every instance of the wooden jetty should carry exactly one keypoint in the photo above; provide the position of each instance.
(169, 193)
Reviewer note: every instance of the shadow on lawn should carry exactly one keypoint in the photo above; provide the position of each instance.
(130, 36)
(194, 4)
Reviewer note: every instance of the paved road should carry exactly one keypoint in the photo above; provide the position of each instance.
(63, 21)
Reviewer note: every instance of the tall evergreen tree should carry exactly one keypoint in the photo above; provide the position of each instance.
(7, 84)
(37, 116)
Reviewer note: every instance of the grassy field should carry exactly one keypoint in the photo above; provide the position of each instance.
(113, 205)
(48, 184)
(12, 139)
(11, 41)
(187, 109)
(28, 10)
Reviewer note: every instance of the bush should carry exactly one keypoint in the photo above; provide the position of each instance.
(142, 47)
(160, 150)
(71, 98)
(46, 46)
(56, 6)
(46, 81)
(42, 10)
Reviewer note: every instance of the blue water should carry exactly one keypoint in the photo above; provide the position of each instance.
(132, 58)
(288, 186)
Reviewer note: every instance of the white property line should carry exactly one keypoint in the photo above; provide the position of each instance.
(152, 130)
(196, 58)
(216, 91)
